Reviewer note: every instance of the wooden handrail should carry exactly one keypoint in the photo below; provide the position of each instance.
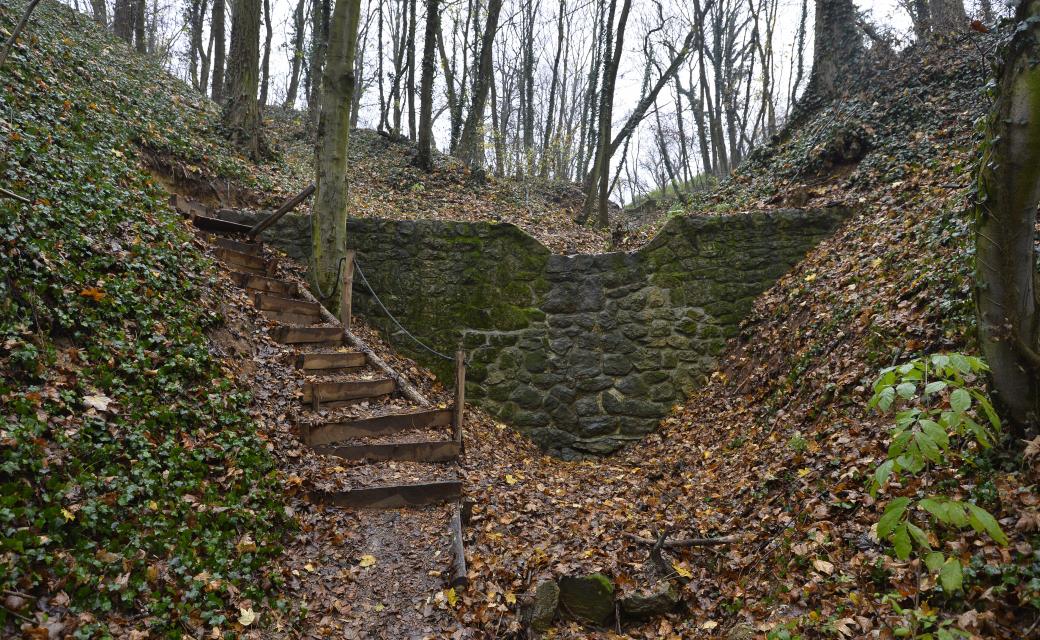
(288, 206)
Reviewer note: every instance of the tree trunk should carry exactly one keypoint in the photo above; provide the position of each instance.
(99, 10)
(329, 213)
(123, 19)
(242, 111)
(265, 65)
(299, 31)
(547, 134)
(140, 42)
(471, 143)
(410, 66)
(948, 17)
(319, 41)
(425, 157)
(1006, 215)
(837, 52)
(217, 26)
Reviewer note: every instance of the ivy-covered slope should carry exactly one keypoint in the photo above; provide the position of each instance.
(134, 490)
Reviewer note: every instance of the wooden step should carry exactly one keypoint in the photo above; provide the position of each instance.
(252, 248)
(265, 284)
(307, 335)
(419, 451)
(331, 432)
(331, 361)
(294, 319)
(392, 496)
(332, 392)
(268, 302)
(206, 223)
(188, 207)
(244, 261)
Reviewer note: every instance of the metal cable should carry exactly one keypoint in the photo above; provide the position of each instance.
(408, 333)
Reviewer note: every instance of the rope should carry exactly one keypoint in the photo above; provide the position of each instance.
(339, 277)
(408, 333)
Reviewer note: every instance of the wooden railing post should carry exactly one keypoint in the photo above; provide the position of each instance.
(347, 289)
(460, 394)
(286, 207)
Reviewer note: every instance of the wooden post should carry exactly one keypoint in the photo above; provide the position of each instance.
(347, 289)
(460, 394)
(459, 578)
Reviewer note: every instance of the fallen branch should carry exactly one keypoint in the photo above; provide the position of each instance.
(459, 577)
(17, 31)
(683, 542)
(11, 194)
(286, 207)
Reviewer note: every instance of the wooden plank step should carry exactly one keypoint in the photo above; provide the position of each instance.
(345, 391)
(291, 318)
(252, 248)
(333, 360)
(419, 451)
(244, 261)
(268, 302)
(265, 284)
(189, 207)
(392, 496)
(207, 223)
(307, 335)
(331, 432)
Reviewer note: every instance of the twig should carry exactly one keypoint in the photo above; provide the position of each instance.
(684, 542)
(18, 615)
(17, 31)
(12, 194)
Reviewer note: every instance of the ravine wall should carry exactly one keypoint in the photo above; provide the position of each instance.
(581, 352)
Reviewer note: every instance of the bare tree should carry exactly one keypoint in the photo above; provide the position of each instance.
(471, 145)
(242, 110)
(424, 159)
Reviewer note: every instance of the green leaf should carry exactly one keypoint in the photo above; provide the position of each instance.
(893, 512)
(934, 387)
(982, 521)
(934, 560)
(901, 542)
(936, 433)
(950, 575)
(927, 446)
(906, 390)
(919, 536)
(960, 400)
(881, 475)
(885, 398)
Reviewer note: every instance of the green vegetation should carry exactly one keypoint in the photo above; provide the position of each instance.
(131, 477)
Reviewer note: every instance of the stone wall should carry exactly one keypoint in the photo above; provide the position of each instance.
(582, 352)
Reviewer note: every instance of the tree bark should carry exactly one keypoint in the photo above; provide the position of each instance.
(299, 32)
(837, 52)
(948, 17)
(1006, 216)
(547, 134)
(123, 20)
(99, 9)
(140, 42)
(329, 213)
(265, 65)
(242, 110)
(217, 26)
(471, 143)
(425, 157)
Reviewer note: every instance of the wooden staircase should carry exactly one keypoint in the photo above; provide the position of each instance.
(338, 370)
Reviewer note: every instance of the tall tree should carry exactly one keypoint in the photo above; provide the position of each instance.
(219, 36)
(471, 144)
(298, 34)
(329, 213)
(837, 51)
(424, 159)
(265, 64)
(1006, 293)
(99, 9)
(242, 110)
(123, 19)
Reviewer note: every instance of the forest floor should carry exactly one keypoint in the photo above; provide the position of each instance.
(111, 392)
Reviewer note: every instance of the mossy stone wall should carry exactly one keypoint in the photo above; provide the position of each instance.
(581, 352)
